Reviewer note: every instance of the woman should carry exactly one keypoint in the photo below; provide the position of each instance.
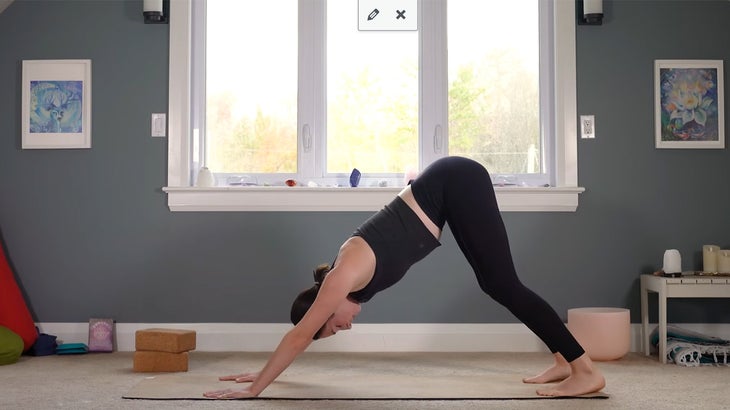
(454, 190)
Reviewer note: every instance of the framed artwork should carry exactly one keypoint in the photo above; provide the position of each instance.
(56, 106)
(689, 104)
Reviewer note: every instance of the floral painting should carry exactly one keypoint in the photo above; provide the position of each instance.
(690, 106)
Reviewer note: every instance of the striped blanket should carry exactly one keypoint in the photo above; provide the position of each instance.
(688, 348)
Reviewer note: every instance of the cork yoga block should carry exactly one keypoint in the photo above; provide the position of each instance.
(165, 340)
(160, 362)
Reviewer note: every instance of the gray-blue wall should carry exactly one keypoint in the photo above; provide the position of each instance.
(89, 233)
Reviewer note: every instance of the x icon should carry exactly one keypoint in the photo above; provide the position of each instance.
(401, 14)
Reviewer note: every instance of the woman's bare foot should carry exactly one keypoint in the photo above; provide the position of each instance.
(553, 374)
(557, 372)
(584, 379)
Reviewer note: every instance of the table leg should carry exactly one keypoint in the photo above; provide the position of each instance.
(662, 325)
(644, 318)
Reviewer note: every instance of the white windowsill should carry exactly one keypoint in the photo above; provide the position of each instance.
(238, 199)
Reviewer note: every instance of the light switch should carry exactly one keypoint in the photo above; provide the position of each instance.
(159, 125)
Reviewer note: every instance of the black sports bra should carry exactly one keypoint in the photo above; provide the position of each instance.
(399, 239)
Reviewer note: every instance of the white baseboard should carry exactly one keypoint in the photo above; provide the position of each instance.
(405, 337)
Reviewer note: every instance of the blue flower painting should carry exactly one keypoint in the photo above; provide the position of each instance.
(689, 104)
(56, 106)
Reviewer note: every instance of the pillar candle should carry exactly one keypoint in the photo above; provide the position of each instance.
(709, 258)
(723, 261)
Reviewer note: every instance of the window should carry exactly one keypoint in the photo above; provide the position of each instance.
(386, 104)
(372, 96)
(248, 98)
(494, 88)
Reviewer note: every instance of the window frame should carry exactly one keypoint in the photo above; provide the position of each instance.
(562, 197)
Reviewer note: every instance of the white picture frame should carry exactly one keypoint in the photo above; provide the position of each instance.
(56, 104)
(689, 104)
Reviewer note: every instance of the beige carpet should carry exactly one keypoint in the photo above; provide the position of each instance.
(98, 381)
(378, 386)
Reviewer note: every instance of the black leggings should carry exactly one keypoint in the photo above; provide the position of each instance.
(459, 191)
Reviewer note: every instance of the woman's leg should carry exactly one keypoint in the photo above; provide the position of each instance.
(470, 209)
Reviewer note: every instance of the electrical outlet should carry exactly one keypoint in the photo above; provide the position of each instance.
(587, 126)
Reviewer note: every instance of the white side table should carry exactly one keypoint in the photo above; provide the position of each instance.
(692, 286)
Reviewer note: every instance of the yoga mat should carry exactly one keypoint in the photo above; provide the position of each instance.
(354, 387)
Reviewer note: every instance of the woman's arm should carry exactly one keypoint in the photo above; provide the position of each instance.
(343, 279)
(334, 291)
(290, 346)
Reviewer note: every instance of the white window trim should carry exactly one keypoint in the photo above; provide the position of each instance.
(182, 197)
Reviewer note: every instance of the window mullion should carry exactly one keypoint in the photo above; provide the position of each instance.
(311, 124)
(547, 91)
(566, 118)
(178, 150)
(198, 101)
(433, 82)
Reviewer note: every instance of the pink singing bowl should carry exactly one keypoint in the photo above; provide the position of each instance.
(604, 333)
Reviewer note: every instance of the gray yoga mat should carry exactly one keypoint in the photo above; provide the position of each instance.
(186, 386)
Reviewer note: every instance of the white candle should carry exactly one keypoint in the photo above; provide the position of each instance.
(709, 258)
(723, 261)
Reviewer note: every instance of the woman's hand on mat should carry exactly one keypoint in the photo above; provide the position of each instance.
(229, 394)
(240, 378)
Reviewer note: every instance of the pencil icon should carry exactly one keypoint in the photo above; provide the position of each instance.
(372, 14)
